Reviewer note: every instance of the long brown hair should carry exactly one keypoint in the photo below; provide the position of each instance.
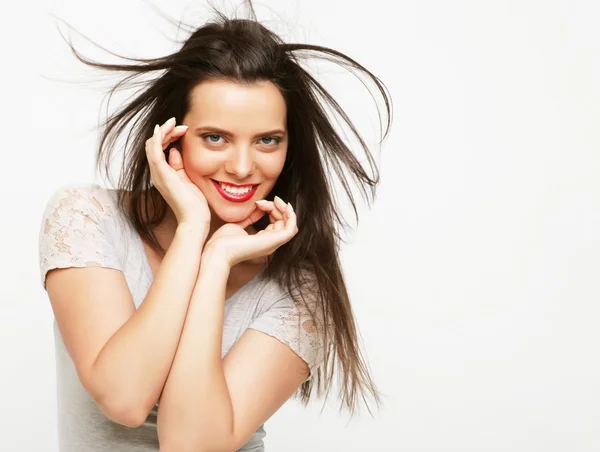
(245, 51)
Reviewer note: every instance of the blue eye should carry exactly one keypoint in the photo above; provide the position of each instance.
(272, 140)
(213, 138)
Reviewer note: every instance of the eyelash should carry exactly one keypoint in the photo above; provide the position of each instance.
(275, 140)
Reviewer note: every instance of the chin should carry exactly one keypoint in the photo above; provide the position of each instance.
(234, 214)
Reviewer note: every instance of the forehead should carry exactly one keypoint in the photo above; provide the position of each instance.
(237, 107)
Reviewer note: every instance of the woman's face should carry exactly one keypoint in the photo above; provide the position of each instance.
(236, 144)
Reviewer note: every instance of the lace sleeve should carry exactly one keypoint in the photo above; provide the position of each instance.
(298, 325)
(72, 230)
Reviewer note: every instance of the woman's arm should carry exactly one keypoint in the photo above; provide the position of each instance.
(123, 355)
(215, 404)
(196, 400)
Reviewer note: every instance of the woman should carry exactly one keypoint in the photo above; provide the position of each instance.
(205, 291)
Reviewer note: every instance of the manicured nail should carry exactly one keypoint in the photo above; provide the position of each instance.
(290, 206)
(261, 201)
(156, 129)
(169, 121)
(277, 197)
(182, 127)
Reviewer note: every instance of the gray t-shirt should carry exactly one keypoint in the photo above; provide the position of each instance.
(83, 227)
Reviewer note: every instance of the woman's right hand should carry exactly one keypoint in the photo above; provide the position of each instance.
(183, 196)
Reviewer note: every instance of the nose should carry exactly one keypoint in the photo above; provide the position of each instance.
(240, 162)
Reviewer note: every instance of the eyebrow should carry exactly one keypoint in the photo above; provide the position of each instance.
(227, 133)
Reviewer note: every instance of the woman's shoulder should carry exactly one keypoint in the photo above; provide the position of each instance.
(79, 228)
(88, 199)
(293, 316)
(302, 296)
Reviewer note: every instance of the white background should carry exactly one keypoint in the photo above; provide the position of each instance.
(475, 275)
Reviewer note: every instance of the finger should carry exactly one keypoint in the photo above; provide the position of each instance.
(280, 204)
(154, 147)
(275, 235)
(265, 205)
(291, 220)
(173, 135)
(175, 159)
(168, 126)
(269, 207)
(158, 144)
(276, 213)
(256, 215)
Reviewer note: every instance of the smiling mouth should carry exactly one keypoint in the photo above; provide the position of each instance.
(235, 193)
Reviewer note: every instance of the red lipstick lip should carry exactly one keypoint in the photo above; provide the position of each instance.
(235, 198)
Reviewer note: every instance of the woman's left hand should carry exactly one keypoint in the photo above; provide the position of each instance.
(234, 245)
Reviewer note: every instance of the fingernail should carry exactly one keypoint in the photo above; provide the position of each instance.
(261, 201)
(156, 129)
(290, 206)
(277, 197)
(170, 121)
(181, 127)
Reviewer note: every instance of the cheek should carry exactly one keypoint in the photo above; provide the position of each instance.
(272, 165)
(197, 162)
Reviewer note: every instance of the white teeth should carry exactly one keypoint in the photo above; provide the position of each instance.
(235, 190)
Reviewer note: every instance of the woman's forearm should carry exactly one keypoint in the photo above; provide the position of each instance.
(195, 412)
(132, 367)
